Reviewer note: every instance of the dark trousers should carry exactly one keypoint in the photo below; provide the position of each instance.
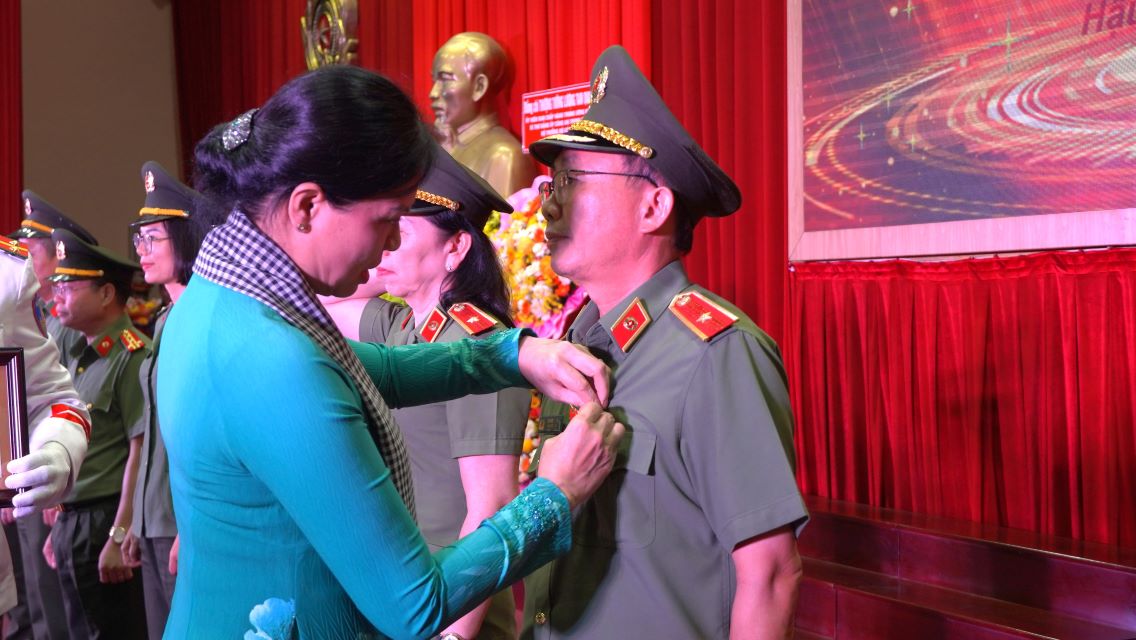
(95, 610)
(157, 583)
(41, 584)
(17, 625)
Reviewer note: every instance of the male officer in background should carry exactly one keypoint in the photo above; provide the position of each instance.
(102, 594)
(694, 533)
(40, 219)
(60, 425)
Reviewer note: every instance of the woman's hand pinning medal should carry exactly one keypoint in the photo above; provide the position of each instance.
(564, 371)
(580, 458)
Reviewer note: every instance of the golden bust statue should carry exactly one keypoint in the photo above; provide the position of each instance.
(469, 71)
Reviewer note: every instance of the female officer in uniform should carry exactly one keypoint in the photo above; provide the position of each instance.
(463, 453)
(166, 238)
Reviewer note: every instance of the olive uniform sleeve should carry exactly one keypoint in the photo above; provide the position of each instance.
(378, 317)
(488, 424)
(737, 439)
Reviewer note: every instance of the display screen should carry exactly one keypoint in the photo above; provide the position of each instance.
(918, 111)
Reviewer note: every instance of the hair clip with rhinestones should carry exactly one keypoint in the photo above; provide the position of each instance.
(238, 131)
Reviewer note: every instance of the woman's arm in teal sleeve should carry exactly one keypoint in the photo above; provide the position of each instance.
(313, 451)
(417, 374)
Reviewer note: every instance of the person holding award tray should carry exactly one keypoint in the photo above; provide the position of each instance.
(290, 479)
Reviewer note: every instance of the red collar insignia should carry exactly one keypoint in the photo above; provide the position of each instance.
(630, 325)
(432, 327)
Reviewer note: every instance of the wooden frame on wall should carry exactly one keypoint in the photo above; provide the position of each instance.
(1102, 228)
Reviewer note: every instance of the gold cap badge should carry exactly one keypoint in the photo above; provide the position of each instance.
(60, 251)
(149, 182)
(599, 86)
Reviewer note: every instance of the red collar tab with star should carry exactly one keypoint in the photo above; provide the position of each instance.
(473, 320)
(630, 325)
(432, 328)
(702, 316)
(14, 248)
(104, 345)
(131, 340)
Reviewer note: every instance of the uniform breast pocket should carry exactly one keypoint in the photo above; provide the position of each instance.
(622, 511)
(101, 402)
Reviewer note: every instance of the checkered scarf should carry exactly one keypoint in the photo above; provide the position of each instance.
(238, 256)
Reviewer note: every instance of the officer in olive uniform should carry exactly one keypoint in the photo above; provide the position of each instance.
(102, 595)
(153, 525)
(39, 585)
(438, 435)
(40, 219)
(694, 531)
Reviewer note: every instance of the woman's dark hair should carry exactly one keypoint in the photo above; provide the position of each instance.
(479, 278)
(351, 131)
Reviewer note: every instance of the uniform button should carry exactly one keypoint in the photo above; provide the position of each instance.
(540, 618)
(89, 406)
(81, 369)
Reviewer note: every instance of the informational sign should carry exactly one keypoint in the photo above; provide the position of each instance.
(550, 111)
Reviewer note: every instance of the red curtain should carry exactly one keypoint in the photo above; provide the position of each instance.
(720, 65)
(11, 118)
(998, 390)
(231, 55)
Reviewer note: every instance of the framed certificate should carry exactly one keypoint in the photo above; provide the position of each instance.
(13, 416)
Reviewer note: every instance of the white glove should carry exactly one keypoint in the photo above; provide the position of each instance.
(45, 474)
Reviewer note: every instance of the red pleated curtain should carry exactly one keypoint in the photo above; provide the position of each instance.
(11, 120)
(720, 66)
(231, 56)
(1000, 390)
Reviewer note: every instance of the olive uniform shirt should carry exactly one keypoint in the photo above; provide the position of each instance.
(105, 373)
(706, 464)
(436, 435)
(153, 505)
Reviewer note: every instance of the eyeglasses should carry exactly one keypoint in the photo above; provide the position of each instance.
(561, 179)
(69, 287)
(146, 241)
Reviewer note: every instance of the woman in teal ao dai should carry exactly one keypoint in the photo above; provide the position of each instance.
(291, 484)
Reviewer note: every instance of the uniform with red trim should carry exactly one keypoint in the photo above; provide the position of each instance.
(92, 284)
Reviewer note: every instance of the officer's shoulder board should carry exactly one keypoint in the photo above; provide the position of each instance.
(704, 317)
(131, 340)
(13, 248)
(471, 318)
